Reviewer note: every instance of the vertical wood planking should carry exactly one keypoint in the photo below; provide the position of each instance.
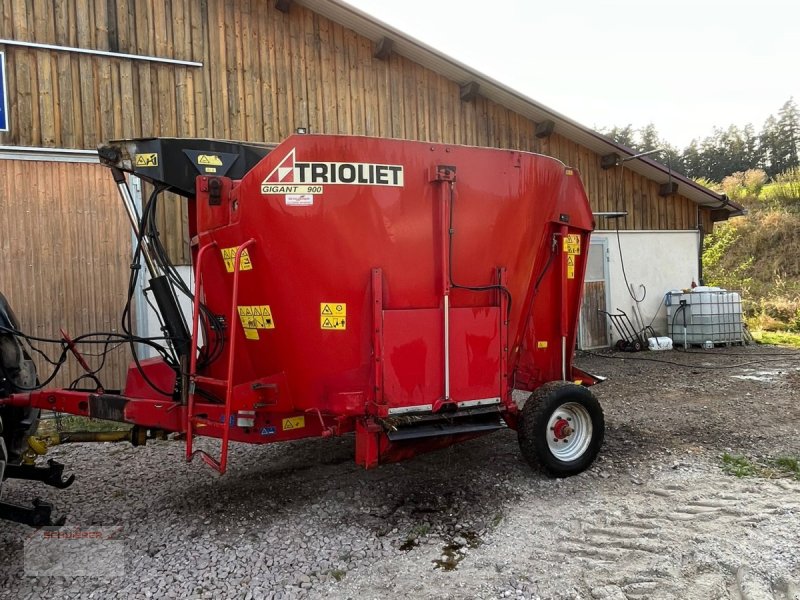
(78, 279)
(265, 73)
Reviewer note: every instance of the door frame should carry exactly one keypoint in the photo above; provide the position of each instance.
(601, 241)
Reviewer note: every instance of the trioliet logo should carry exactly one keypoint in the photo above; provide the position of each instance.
(294, 177)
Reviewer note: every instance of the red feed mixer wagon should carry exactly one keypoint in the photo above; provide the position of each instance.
(392, 289)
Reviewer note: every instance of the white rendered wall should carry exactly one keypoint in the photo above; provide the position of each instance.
(661, 260)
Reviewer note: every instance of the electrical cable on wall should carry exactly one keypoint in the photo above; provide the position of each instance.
(621, 194)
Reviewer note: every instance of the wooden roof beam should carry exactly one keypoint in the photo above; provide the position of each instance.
(469, 91)
(610, 160)
(668, 188)
(383, 48)
(544, 129)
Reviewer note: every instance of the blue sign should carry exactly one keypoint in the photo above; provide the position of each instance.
(3, 94)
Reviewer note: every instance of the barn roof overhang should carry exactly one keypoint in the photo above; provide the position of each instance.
(366, 25)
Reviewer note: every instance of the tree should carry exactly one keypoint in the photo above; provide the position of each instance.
(770, 146)
(621, 135)
(693, 160)
(788, 131)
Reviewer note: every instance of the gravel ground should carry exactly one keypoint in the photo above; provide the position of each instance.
(655, 517)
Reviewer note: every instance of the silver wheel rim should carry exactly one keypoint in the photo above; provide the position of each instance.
(569, 431)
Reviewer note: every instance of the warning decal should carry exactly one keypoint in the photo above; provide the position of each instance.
(294, 423)
(209, 159)
(295, 177)
(149, 159)
(229, 255)
(572, 244)
(254, 318)
(333, 315)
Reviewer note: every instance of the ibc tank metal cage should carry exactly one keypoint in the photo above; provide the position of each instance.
(705, 315)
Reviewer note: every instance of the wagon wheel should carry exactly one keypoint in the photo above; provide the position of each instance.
(561, 429)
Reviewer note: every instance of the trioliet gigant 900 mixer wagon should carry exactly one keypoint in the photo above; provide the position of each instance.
(398, 290)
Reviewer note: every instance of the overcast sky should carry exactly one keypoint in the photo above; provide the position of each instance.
(685, 65)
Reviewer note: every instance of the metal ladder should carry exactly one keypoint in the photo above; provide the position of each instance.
(191, 420)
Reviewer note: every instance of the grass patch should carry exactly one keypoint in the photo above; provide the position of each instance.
(738, 466)
(771, 468)
(76, 423)
(777, 338)
(420, 530)
(338, 574)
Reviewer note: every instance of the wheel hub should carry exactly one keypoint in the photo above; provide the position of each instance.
(569, 431)
(561, 429)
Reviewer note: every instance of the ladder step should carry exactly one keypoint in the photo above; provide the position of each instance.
(429, 430)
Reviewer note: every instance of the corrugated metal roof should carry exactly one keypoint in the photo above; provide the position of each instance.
(366, 25)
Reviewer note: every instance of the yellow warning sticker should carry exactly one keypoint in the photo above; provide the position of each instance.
(332, 323)
(541, 344)
(254, 318)
(570, 271)
(229, 255)
(209, 159)
(568, 172)
(333, 309)
(294, 423)
(572, 244)
(333, 315)
(149, 159)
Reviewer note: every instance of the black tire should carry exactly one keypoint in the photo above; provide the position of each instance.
(19, 373)
(533, 431)
(3, 457)
(637, 346)
(620, 345)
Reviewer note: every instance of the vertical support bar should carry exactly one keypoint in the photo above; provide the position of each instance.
(226, 429)
(368, 435)
(377, 333)
(194, 344)
(446, 232)
(446, 347)
(133, 217)
(142, 328)
(564, 301)
(502, 279)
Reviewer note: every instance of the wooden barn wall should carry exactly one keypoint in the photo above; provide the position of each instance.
(65, 257)
(264, 74)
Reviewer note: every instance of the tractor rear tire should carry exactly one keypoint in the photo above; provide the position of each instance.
(18, 373)
(561, 428)
(3, 457)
